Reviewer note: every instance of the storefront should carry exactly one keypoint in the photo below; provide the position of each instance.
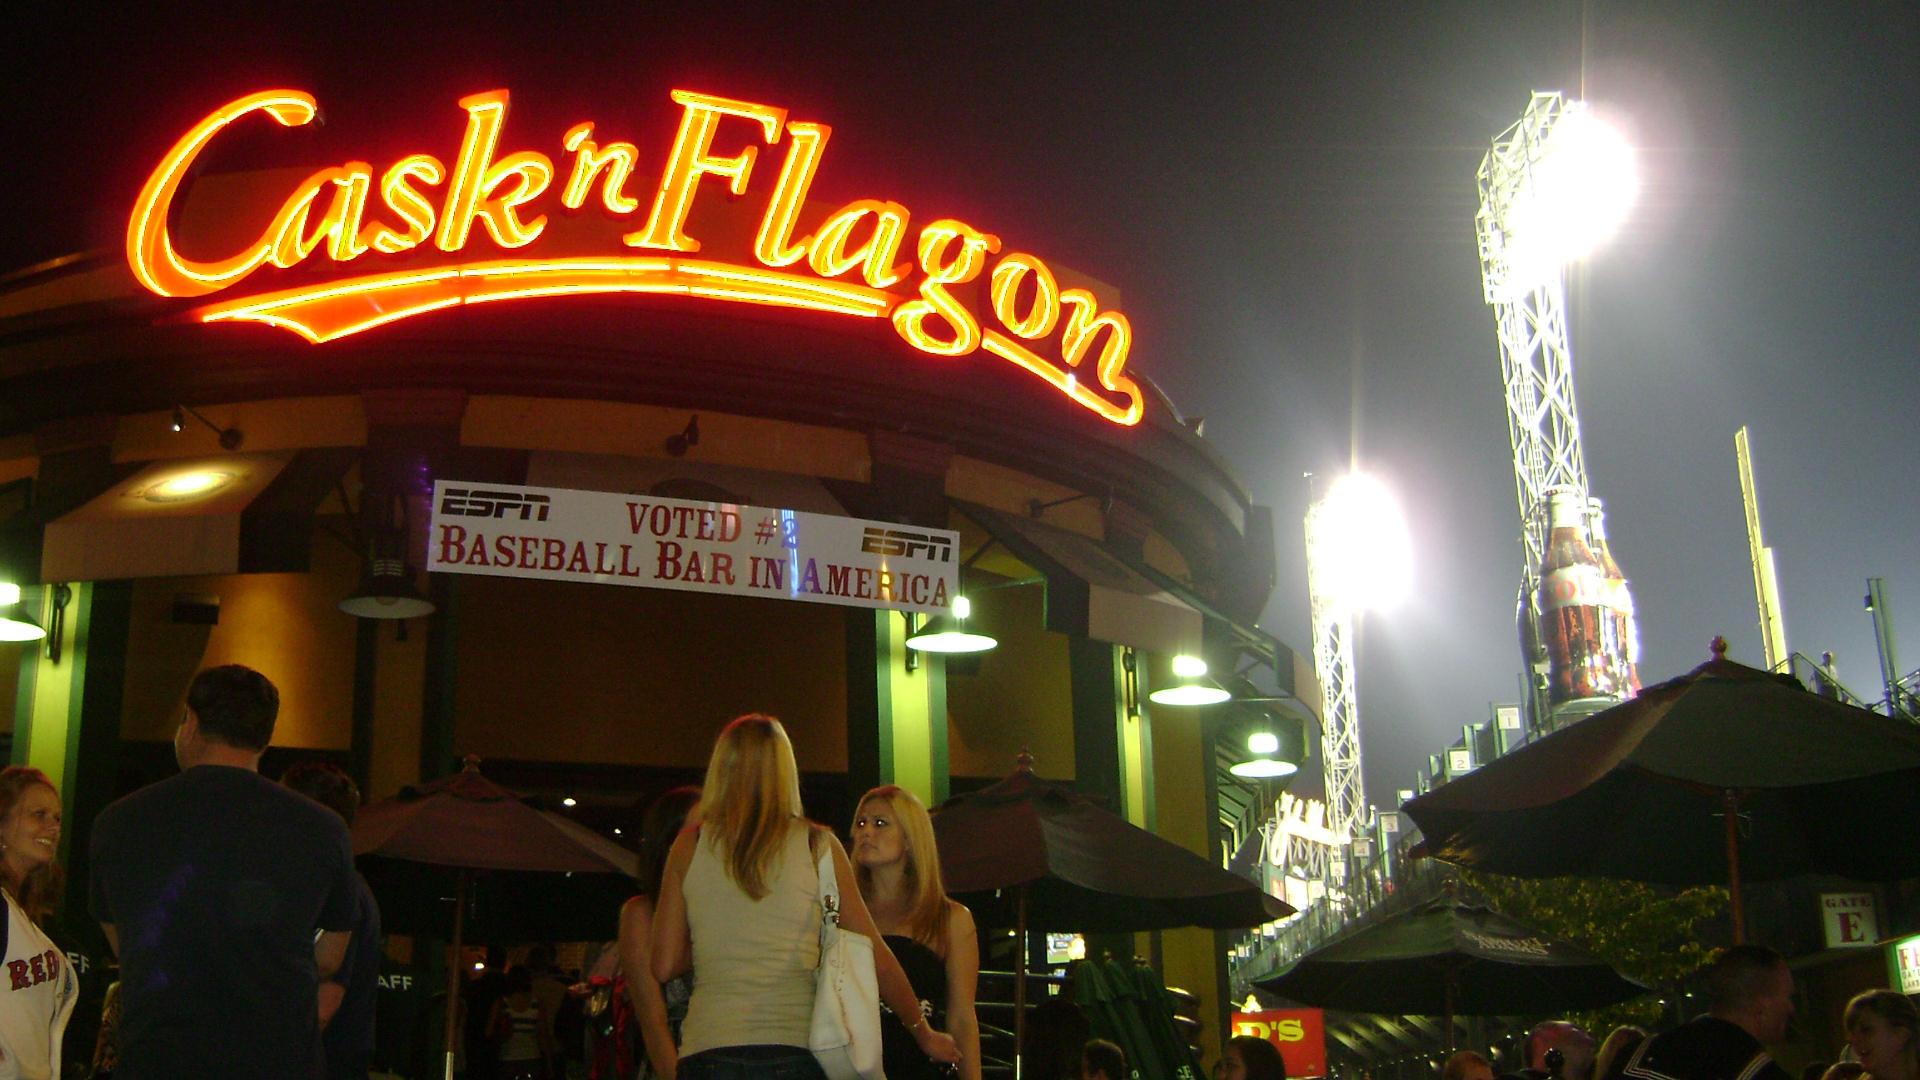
(210, 439)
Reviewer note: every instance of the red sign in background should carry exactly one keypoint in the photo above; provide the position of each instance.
(1301, 1035)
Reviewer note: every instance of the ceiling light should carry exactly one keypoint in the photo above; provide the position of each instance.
(1189, 667)
(1264, 769)
(186, 485)
(949, 633)
(1189, 694)
(15, 623)
(944, 634)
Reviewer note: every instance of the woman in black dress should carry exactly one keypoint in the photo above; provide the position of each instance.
(933, 937)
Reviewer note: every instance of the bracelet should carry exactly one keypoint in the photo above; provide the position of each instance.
(917, 1026)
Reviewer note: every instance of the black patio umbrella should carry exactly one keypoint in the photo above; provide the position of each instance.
(1465, 958)
(1030, 854)
(1725, 774)
(525, 873)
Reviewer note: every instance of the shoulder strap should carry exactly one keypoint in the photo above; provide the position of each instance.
(823, 865)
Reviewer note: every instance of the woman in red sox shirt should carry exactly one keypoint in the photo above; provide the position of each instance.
(37, 987)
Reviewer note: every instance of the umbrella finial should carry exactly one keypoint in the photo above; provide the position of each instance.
(470, 763)
(1023, 762)
(1719, 647)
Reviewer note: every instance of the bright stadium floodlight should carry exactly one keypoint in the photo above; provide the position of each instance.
(1359, 558)
(1553, 189)
(1575, 196)
(1358, 550)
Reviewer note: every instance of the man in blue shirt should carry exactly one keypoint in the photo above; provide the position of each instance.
(227, 897)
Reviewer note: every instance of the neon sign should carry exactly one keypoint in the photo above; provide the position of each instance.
(850, 264)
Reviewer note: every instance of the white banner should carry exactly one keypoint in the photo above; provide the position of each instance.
(611, 539)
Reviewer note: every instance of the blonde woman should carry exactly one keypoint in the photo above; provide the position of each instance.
(739, 906)
(41, 990)
(898, 869)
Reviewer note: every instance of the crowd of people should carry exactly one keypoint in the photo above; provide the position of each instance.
(248, 945)
(1750, 993)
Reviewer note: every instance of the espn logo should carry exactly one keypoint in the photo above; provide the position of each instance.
(468, 502)
(909, 545)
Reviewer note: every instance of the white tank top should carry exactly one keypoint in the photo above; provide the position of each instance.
(753, 960)
(37, 992)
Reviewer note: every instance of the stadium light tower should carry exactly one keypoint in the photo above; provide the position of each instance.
(1552, 188)
(1358, 559)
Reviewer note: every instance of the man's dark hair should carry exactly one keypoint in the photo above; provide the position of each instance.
(1263, 1061)
(325, 783)
(1103, 1057)
(235, 705)
(1741, 975)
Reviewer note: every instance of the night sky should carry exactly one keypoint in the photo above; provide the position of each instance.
(1284, 196)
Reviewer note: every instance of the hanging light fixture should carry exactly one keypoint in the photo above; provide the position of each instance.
(16, 624)
(1190, 691)
(1263, 768)
(387, 591)
(1266, 763)
(949, 634)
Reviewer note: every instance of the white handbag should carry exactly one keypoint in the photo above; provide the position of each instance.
(845, 1035)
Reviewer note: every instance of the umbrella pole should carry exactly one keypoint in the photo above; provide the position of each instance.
(1453, 979)
(1020, 983)
(454, 971)
(1730, 809)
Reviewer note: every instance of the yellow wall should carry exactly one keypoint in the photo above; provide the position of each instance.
(289, 627)
(561, 671)
(1021, 699)
(54, 687)
(10, 657)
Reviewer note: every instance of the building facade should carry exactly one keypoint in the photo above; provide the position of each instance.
(299, 384)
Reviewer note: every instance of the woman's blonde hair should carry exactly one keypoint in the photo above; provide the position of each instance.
(750, 799)
(927, 909)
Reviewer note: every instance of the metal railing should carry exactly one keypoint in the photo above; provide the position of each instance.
(1377, 890)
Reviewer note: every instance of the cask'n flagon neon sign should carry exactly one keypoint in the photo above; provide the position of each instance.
(850, 264)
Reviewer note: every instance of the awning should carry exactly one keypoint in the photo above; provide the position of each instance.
(1093, 592)
(232, 513)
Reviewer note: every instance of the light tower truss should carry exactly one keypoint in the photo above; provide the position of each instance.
(1333, 626)
(1529, 299)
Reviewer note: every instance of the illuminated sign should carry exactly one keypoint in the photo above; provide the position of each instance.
(1903, 965)
(1299, 1034)
(850, 264)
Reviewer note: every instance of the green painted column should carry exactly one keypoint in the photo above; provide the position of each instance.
(896, 709)
(1112, 752)
(67, 724)
(1112, 742)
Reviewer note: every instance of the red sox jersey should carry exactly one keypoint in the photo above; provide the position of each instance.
(37, 992)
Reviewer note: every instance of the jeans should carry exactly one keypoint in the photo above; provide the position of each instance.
(751, 1063)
